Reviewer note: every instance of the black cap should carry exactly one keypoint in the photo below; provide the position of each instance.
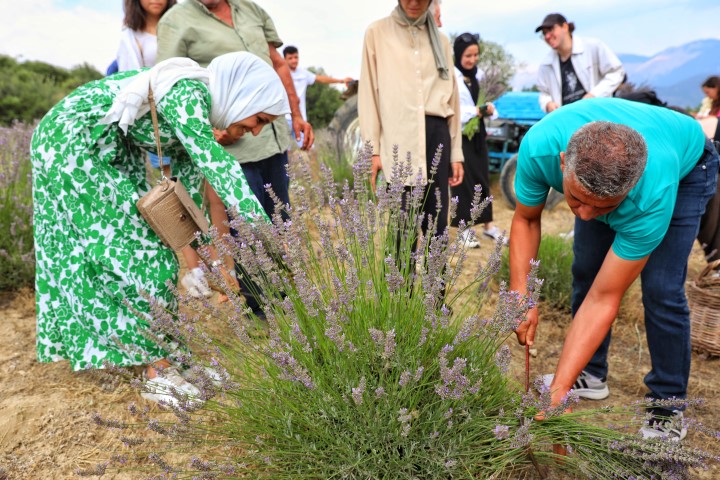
(551, 20)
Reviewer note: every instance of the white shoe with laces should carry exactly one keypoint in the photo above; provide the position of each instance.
(495, 233)
(586, 386)
(161, 387)
(469, 239)
(213, 375)
(670, 428)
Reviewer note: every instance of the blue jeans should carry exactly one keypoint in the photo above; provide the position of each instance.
(667, 319)
(272, 171)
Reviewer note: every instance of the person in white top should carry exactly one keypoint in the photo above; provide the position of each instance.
(303, 78)
(577, 67)
(138, 43)
(474, 147)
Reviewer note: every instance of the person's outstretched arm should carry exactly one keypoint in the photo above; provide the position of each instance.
(298, 123)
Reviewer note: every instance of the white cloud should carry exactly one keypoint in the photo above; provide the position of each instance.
(40, 30)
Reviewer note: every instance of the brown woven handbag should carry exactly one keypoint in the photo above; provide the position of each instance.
(168, 207)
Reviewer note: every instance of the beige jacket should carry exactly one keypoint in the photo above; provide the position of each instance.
(399, 85)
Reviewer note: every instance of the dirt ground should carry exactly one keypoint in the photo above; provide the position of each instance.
(46, 431)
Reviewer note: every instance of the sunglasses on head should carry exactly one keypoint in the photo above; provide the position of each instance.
(469, 38)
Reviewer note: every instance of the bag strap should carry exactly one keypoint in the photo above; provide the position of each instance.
(153, 114)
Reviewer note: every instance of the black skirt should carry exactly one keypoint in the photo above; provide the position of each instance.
(476, 173)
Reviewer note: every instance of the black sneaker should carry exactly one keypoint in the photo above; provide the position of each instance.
(670, 428)
(586, 386)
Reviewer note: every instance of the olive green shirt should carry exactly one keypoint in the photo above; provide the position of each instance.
(190, 30)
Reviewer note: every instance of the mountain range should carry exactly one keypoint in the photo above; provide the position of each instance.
(676, 73)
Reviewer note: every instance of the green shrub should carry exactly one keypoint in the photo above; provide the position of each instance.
(556, 256)
(322, 102)
(17, 253)
(29, 89)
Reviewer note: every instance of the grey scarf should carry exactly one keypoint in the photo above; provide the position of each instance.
(434, 34)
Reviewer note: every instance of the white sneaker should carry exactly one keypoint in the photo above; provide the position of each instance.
(586, 386)
(495, 233)
(469, 239)
(213, 375)
(161, 387)
(671, 428)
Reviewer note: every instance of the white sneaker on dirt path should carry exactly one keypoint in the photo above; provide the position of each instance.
(586, 386)
(161, 387)
(469, 239)
(213, 375)
(671, 428)
(495, 233)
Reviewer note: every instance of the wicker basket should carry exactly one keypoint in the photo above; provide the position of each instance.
(703, 296)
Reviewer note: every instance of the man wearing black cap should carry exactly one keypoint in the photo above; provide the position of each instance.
(577, 68)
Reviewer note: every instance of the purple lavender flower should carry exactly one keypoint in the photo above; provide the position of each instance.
(502, 358)
(358, 392)
(501, 432)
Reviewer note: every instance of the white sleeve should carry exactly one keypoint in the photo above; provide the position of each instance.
(610, 70)
(468, 110)
(128, 55)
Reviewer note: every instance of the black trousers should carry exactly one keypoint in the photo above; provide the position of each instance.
(477, 172)
(437, 132)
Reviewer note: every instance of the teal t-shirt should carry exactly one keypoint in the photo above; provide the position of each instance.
(675, 143)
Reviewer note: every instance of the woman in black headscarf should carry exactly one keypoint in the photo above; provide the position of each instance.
(474, 149)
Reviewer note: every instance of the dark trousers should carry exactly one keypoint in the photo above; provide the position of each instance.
(667, 319)
(272, 171)
(437, 133)
(477, 172)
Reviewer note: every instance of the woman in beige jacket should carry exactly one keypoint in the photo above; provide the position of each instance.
(408, 97)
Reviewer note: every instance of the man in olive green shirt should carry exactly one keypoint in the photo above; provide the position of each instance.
(204, 29)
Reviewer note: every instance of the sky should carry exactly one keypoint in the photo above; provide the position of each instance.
(329, 33)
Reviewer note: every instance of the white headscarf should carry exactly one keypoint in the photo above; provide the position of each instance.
(131, 102)
(240, 85)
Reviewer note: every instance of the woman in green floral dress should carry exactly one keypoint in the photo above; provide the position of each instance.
(94, 252)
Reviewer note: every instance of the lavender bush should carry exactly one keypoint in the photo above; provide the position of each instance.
(17, 254)
(375, 363)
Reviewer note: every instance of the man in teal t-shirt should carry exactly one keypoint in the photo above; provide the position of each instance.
(637, 177)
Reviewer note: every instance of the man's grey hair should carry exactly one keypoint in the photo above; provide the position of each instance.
(606, 158)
